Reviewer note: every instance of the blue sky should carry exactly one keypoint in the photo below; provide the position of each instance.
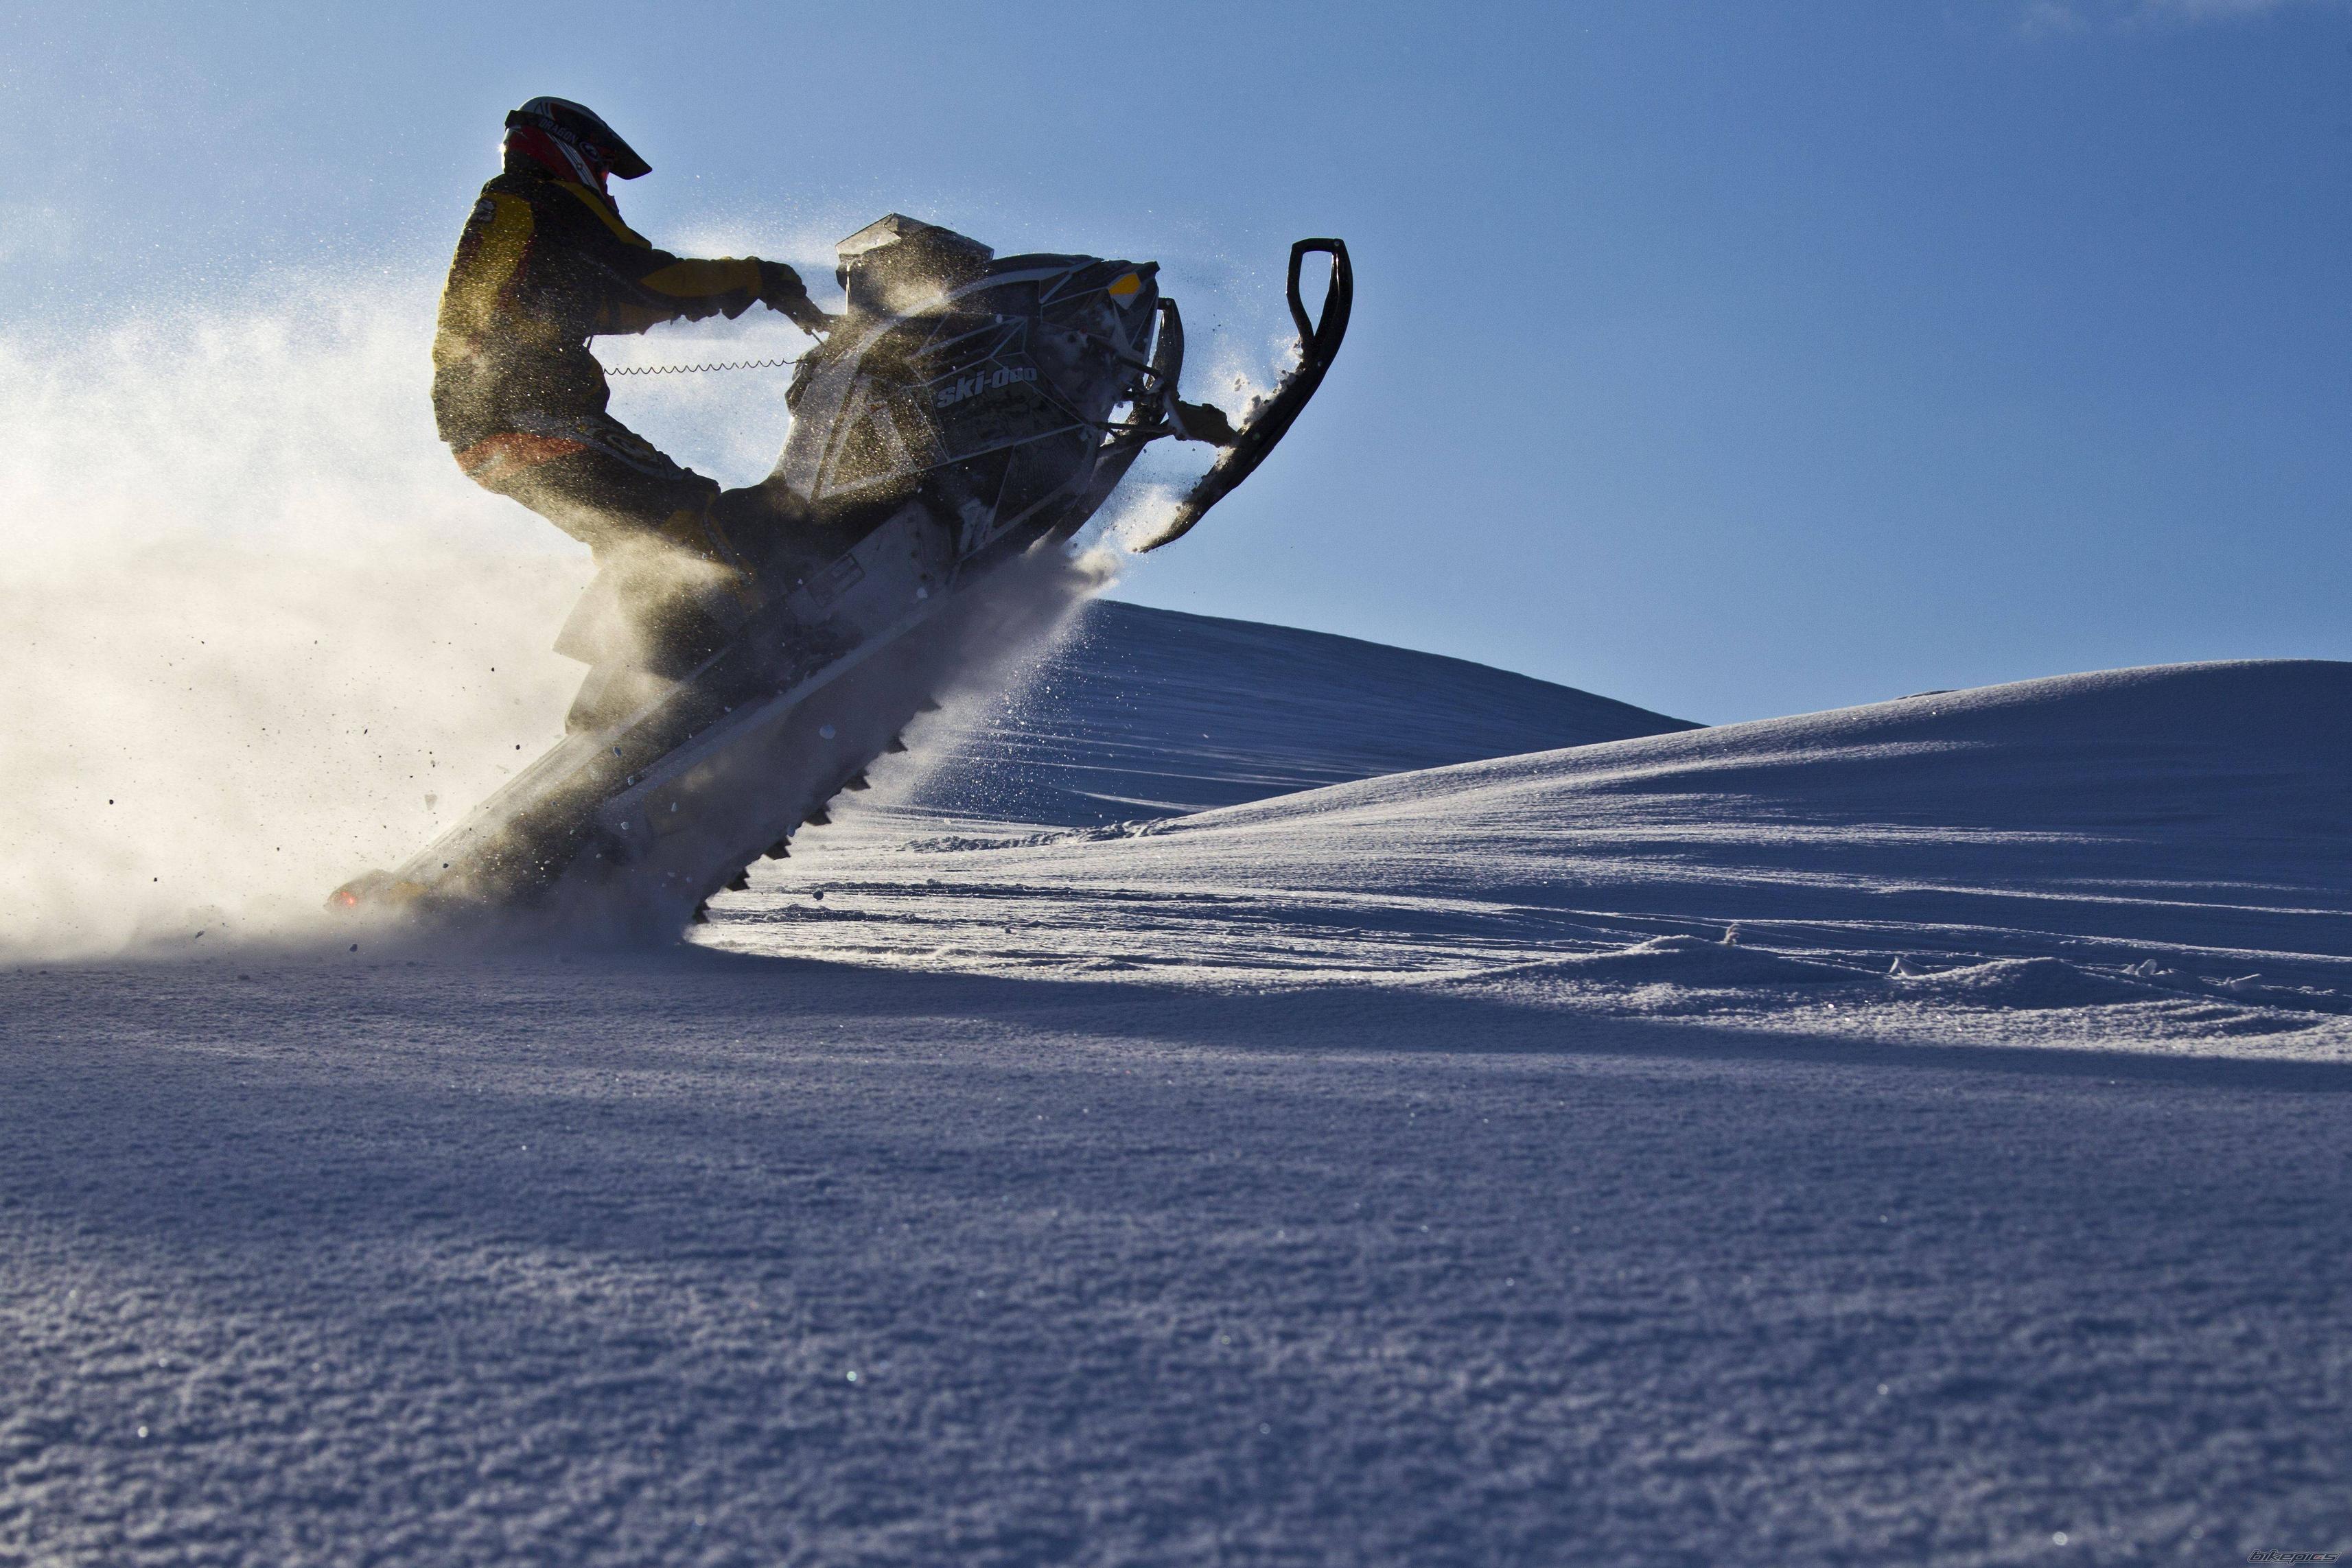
(1733, 360)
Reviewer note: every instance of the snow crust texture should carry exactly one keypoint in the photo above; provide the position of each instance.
(1406, 1171)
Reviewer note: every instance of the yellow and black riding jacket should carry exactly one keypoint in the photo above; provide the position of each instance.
(545, 265)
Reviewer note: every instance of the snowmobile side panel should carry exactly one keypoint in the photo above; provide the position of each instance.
(902, 563)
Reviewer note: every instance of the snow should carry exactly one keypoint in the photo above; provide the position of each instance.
(2130, 860)
(1405, 1170)
(1142, 712)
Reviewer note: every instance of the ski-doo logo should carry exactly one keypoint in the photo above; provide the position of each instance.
(986, 381)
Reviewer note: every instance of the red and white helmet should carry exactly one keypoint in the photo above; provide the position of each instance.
(572, 142)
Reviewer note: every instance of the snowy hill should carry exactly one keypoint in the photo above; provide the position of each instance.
(1145, 713)
(2183, 824)
(1402, 1171)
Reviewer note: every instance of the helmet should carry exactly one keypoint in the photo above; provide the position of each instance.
(572, 142)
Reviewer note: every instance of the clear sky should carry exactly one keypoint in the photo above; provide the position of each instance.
(1731, 358)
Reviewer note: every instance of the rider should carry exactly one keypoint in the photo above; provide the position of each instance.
(544, 264)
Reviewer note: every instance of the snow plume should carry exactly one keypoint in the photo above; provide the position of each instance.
(260, 632)
(1003, 643)
(264, 636)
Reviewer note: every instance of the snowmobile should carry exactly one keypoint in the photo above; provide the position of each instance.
(964, 419)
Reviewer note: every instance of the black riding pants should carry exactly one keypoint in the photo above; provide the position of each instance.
(600, 482)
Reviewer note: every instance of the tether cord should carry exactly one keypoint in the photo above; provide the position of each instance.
(690, 369)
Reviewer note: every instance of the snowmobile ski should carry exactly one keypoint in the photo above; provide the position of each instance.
(1262, 426)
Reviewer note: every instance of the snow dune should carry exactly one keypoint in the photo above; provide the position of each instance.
(1142, 712)
(2164, 846)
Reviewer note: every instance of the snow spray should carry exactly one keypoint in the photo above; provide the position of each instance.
(1032, 609)
(262, 634)
(259, 630)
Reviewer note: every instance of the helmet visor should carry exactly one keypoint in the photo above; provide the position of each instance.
(582, 128)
